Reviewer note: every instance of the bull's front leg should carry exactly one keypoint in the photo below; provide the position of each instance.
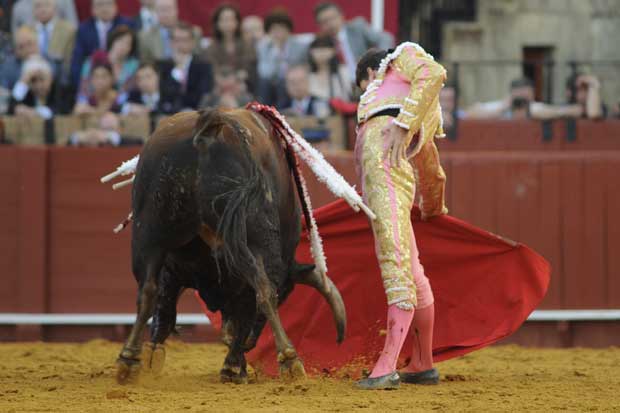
(290, 364)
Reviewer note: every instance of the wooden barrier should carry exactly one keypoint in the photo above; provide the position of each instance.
(59, 253)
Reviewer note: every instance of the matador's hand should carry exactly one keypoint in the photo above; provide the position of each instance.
(396, 144)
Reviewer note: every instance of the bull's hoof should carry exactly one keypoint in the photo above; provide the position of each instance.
(291, 367)
(233, 374)
(153, 358)
(127, 370)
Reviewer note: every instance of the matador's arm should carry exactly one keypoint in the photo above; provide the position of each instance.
(426, 77)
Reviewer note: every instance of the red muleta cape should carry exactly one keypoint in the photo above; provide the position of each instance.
(485, 287)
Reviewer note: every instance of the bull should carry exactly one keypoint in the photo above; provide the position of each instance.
(216, 208)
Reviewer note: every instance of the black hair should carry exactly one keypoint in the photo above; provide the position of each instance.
(144, 65)
(185, 27)
(119, 32)
(371, 59)
(216, 16)
(521, 82)
(326, 5)
(571, 86)
(278, 16)
(320, 42)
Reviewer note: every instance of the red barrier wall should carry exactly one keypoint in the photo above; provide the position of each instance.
(58, 252)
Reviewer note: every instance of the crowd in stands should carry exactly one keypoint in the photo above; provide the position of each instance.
(582, 94)
(154, 63)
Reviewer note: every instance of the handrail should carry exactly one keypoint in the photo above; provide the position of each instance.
(200, 319)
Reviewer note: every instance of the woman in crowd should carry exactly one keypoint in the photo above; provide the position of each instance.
(328, 78)
(276, 52)
(102, 97)
(227, 48)
(121, 51)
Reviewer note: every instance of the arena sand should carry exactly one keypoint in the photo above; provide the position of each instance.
(41, 377)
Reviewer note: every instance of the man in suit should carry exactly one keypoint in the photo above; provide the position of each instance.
(34, 94)
(55, 36)
(352, 38)
(92, 34)
(26, 45)
(156, 42)
(146, 97)
(276, 52)
(107, 133)
(22, 13)
(301, 102)
(184, 78)
(146, 17)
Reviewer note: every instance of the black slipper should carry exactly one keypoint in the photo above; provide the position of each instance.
(423, 377)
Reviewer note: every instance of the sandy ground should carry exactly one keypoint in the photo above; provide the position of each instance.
(41, 377)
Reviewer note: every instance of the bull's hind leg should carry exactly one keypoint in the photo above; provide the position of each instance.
(164, 319)
(147, 272)
(290, 364)
(235, 365)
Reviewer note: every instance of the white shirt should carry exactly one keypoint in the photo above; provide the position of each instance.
(148, 18)
(150, 100)
(349, 57)
(181, 74)
(301, 106)
(102, 32)
(43, 29)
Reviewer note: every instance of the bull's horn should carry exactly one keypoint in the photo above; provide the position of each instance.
(328, 290)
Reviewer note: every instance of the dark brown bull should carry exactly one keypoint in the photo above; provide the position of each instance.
(216, 208)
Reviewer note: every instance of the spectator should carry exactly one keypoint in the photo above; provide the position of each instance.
(227, 48)
(184, 78)
(102, 97)
(584, 90)
(93, 33)
(230, 92)
(521, 94)
(25, 46)
(146, 97)
(449, 111)
(33, 95)
(156, 43)
(146, 17)
(329, 79)
(301, 102)
(56, 37)
(22, 13)
(121, 44)
(352, 39)
(252, 29)
(276, 53)
(107, 133)
(615, 111)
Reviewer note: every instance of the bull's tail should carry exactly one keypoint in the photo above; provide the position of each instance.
(234, 201)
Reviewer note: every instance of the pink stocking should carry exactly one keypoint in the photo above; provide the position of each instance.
(422, 334)
(399, 321)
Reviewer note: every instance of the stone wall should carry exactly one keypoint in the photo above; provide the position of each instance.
(574, 29)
